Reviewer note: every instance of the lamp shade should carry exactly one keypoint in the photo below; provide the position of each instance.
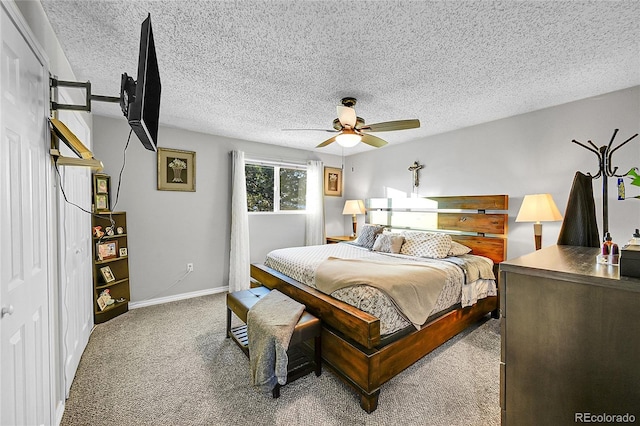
(538, 208)
(354, 207)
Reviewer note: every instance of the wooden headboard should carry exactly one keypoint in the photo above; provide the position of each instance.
(477, 221)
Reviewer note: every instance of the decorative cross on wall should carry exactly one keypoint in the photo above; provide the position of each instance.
(415, 167)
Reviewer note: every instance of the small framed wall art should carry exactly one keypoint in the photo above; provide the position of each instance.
(102, 202)
(176, 170)
(101, 184)
(333, 181)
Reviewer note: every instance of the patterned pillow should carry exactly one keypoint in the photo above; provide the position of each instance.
(458, 249)
(367, 236)
(432, 245)
(388, 243)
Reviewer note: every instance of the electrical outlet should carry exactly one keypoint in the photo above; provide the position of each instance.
(189, 267)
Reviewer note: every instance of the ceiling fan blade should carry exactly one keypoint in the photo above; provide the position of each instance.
(373, 141)
(328, 141)
(347, 116)
(391, 125)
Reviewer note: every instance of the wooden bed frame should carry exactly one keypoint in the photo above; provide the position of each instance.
(351, 338)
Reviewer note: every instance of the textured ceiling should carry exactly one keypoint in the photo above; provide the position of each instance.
(248, 69)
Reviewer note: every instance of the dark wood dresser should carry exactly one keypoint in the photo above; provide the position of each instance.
(570, 339)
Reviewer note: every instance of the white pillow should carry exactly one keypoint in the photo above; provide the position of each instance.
(424, 244)
(458, 249)
(388, 243)
(368, 235)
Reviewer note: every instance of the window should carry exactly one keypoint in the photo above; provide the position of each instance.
(273, 187)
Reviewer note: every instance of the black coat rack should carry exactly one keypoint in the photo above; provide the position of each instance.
(605, 171)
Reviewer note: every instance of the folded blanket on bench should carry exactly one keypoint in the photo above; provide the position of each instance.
(270, 325)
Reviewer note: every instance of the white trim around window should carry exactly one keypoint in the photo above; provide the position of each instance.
(276, 190)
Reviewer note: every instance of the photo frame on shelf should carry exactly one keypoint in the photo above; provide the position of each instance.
(176, 170)
(123, 251)
(333, 181)
(107, 250)
(107, 274)
(102, 302)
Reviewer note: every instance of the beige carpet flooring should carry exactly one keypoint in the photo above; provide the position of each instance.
(171, 364)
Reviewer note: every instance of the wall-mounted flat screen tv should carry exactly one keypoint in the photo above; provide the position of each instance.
(140, 100)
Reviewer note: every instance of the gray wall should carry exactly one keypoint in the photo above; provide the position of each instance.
(168, 229)
(526, 154)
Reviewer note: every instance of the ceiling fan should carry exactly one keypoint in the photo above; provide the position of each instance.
(352, 129)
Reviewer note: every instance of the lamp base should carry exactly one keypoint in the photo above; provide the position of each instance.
(537, 235)
(355, 225)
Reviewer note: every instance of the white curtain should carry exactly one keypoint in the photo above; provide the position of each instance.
(239, 263)
(314, 227)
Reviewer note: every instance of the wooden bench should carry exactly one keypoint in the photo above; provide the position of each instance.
(301, 361)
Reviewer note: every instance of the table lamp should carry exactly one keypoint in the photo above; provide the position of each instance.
(354, 207)
(538, 208)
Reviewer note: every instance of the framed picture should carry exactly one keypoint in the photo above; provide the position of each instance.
(101, 183)
(176, 170)
(102, 202)
(107, 250)
(102, 302)
(333, 181)
(123, 251)
(107, 274)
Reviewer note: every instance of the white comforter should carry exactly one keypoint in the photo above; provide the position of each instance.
(469, 278)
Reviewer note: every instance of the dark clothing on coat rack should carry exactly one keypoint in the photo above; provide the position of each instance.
(579, 227)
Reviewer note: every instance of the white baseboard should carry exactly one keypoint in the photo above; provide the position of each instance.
(59, 412)
(167, 299)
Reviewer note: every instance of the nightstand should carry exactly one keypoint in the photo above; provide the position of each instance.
(334, 240)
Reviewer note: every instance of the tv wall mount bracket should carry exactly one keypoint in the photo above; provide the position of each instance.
(127, 94)
(54, 82)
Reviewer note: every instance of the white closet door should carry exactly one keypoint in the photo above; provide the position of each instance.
(74, 245)
(25, 355)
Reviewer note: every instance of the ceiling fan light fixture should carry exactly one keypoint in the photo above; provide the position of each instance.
(348, 140)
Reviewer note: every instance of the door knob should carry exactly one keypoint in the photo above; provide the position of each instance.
(6, 311)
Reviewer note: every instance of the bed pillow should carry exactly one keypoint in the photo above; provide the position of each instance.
(458, 249)
(367, 236)
(388, 243)
(424, 244)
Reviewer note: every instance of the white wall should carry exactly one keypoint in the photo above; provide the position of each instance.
(526, 154)
(58, 63)
(168, 229)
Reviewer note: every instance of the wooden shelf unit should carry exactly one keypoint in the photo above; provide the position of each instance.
(119, 288)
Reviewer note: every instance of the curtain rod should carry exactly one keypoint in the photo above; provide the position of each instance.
(269, 161)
